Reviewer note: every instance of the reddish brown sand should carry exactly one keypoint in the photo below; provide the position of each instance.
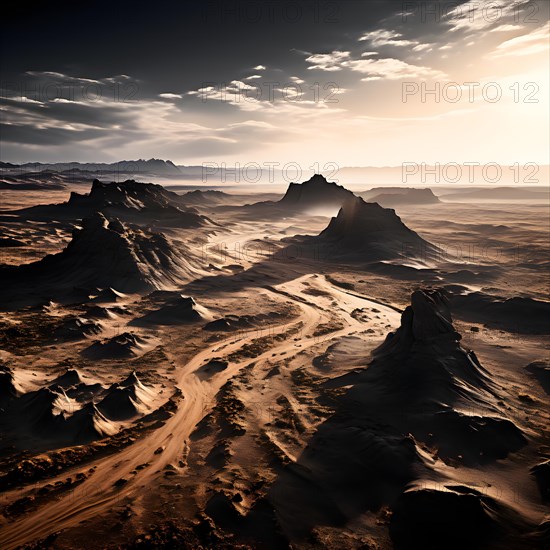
(219, 440)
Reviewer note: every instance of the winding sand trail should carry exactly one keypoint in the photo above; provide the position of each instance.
(98, 494)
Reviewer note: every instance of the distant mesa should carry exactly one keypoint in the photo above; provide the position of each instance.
(207, 197)
(315, 195)
(47, 185)
(498, 194)
(367, 231)
(399, 196)
(315, 192)
(180, 310)
(57, 176)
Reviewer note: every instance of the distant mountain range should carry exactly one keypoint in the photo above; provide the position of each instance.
(151, 166)
(413, 174)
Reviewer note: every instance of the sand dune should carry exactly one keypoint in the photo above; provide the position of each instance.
(42, 413)
(108, 296)
(89, 424)
(121, 346)
(73, 409)
(182, 309)
(77, 328)
(243, 322)
(71, 377)
(126, 399)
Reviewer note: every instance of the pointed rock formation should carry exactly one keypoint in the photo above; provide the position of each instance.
(71, 377)
(106, 254)
(126, 400)
(412, 403)
(89, 424)
(425, 382)
(366, 231)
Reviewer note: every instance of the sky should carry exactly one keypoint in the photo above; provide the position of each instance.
(313, 82)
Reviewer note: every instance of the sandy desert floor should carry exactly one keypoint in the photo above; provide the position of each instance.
(135, 419)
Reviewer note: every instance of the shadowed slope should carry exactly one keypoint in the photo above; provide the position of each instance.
(105, 254)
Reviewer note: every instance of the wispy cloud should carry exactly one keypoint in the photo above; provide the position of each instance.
(475, 16)
(329, 62)
(374, 69)
(383, 37)
(170, 96)
(532, 43)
